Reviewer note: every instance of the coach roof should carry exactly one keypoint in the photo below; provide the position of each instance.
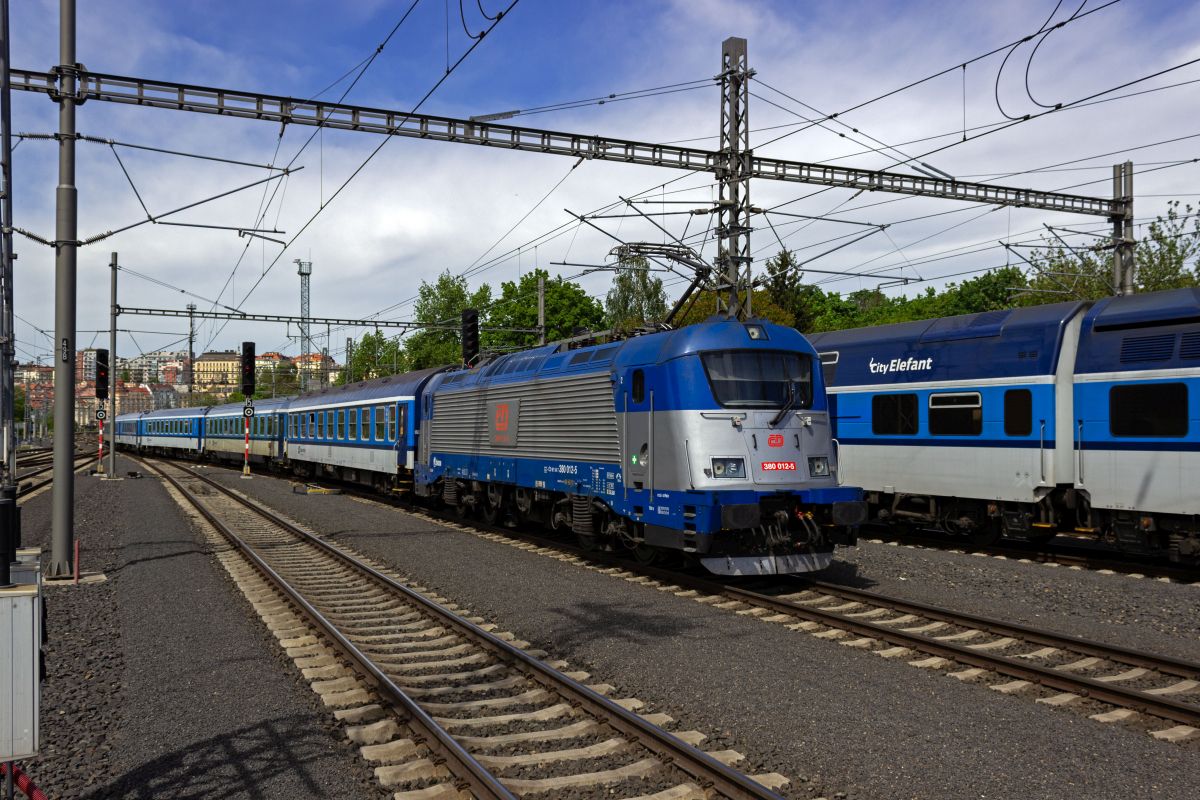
(407, 384)
(992, 344)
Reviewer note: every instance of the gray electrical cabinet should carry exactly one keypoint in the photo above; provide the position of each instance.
(20, 627)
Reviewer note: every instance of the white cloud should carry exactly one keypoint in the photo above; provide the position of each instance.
(421, 207)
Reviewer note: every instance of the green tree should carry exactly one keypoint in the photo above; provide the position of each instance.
(125, 375)
(442, 303)
(568, 307)
(374, 356)
(636, 296)
(282, 380)
(1161, 260)
(763, 305)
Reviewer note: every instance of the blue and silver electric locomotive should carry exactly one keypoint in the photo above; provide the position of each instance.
(713, 440)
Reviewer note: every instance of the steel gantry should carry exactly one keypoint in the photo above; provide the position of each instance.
(734, 166)
(288, 110)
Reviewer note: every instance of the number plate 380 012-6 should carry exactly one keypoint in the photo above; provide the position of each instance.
(779, 466)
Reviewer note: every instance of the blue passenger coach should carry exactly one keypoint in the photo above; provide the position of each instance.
(1072, 417)
(713, 440)
(1137, 421)
(362, 432)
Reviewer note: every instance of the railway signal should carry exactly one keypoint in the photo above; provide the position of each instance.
(470, 335)
(101, 374)
(248, 369)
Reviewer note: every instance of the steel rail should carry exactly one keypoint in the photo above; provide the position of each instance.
(475, 776)
(24, 489)
(391, 122)
(1137, 658)
(1164, 707)
(708, 771)
(1064, 554)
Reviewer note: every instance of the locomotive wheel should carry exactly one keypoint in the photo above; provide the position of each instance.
(489, 512)
(647, 556)
(986, 534)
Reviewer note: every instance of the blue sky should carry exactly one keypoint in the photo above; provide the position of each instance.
(421, 207)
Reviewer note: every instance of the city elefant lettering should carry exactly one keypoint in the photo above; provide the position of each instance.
(909, 364)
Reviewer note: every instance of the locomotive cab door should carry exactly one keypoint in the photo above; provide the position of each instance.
(636, 405)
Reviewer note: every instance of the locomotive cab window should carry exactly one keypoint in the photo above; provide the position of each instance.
(1018, 412)
(759, 378)
(1148, 409)
(639, 386)
(959, 414)
(894, 414)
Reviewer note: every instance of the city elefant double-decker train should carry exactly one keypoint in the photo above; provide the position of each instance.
(1079, 417)
(713, 440)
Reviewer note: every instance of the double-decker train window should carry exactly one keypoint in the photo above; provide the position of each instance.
(894, 414)
(1148, 409)
(380, 425)
(1018, 412)
(958, 414)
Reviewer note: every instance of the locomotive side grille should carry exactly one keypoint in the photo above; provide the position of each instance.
(1147, 348)
(1190, 346)
(567, 418)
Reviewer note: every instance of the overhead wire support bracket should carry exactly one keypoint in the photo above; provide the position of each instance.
(274, 108)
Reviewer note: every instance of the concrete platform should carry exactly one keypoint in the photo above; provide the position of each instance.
(161, 680)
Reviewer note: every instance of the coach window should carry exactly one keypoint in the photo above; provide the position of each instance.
(364, 416)
(353, 433)
(894, 414)
(1018, 412)
(959, 414)
(380, 424)
(391, 423)
(341, 424)
(1148, 409)
(639, 386)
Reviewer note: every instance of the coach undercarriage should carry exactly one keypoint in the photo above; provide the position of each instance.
(1066, 511)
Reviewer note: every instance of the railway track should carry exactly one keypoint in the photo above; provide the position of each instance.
(1063, 554)
(32, 481)
(1158, 694)
(483, 716)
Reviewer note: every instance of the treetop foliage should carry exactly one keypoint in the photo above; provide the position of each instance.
(1167, 257)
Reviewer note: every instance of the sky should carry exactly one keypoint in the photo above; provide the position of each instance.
(421, 207)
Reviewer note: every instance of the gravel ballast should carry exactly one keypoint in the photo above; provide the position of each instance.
(831, 718)
(1116, 609)
(161, 681)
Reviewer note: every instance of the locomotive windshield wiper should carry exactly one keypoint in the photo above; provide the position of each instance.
(788, 404)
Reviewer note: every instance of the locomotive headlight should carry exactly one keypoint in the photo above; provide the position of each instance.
(729, 467)
(818, 467)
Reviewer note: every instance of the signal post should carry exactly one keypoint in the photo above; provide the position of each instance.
(247, 391)
(102, 390)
